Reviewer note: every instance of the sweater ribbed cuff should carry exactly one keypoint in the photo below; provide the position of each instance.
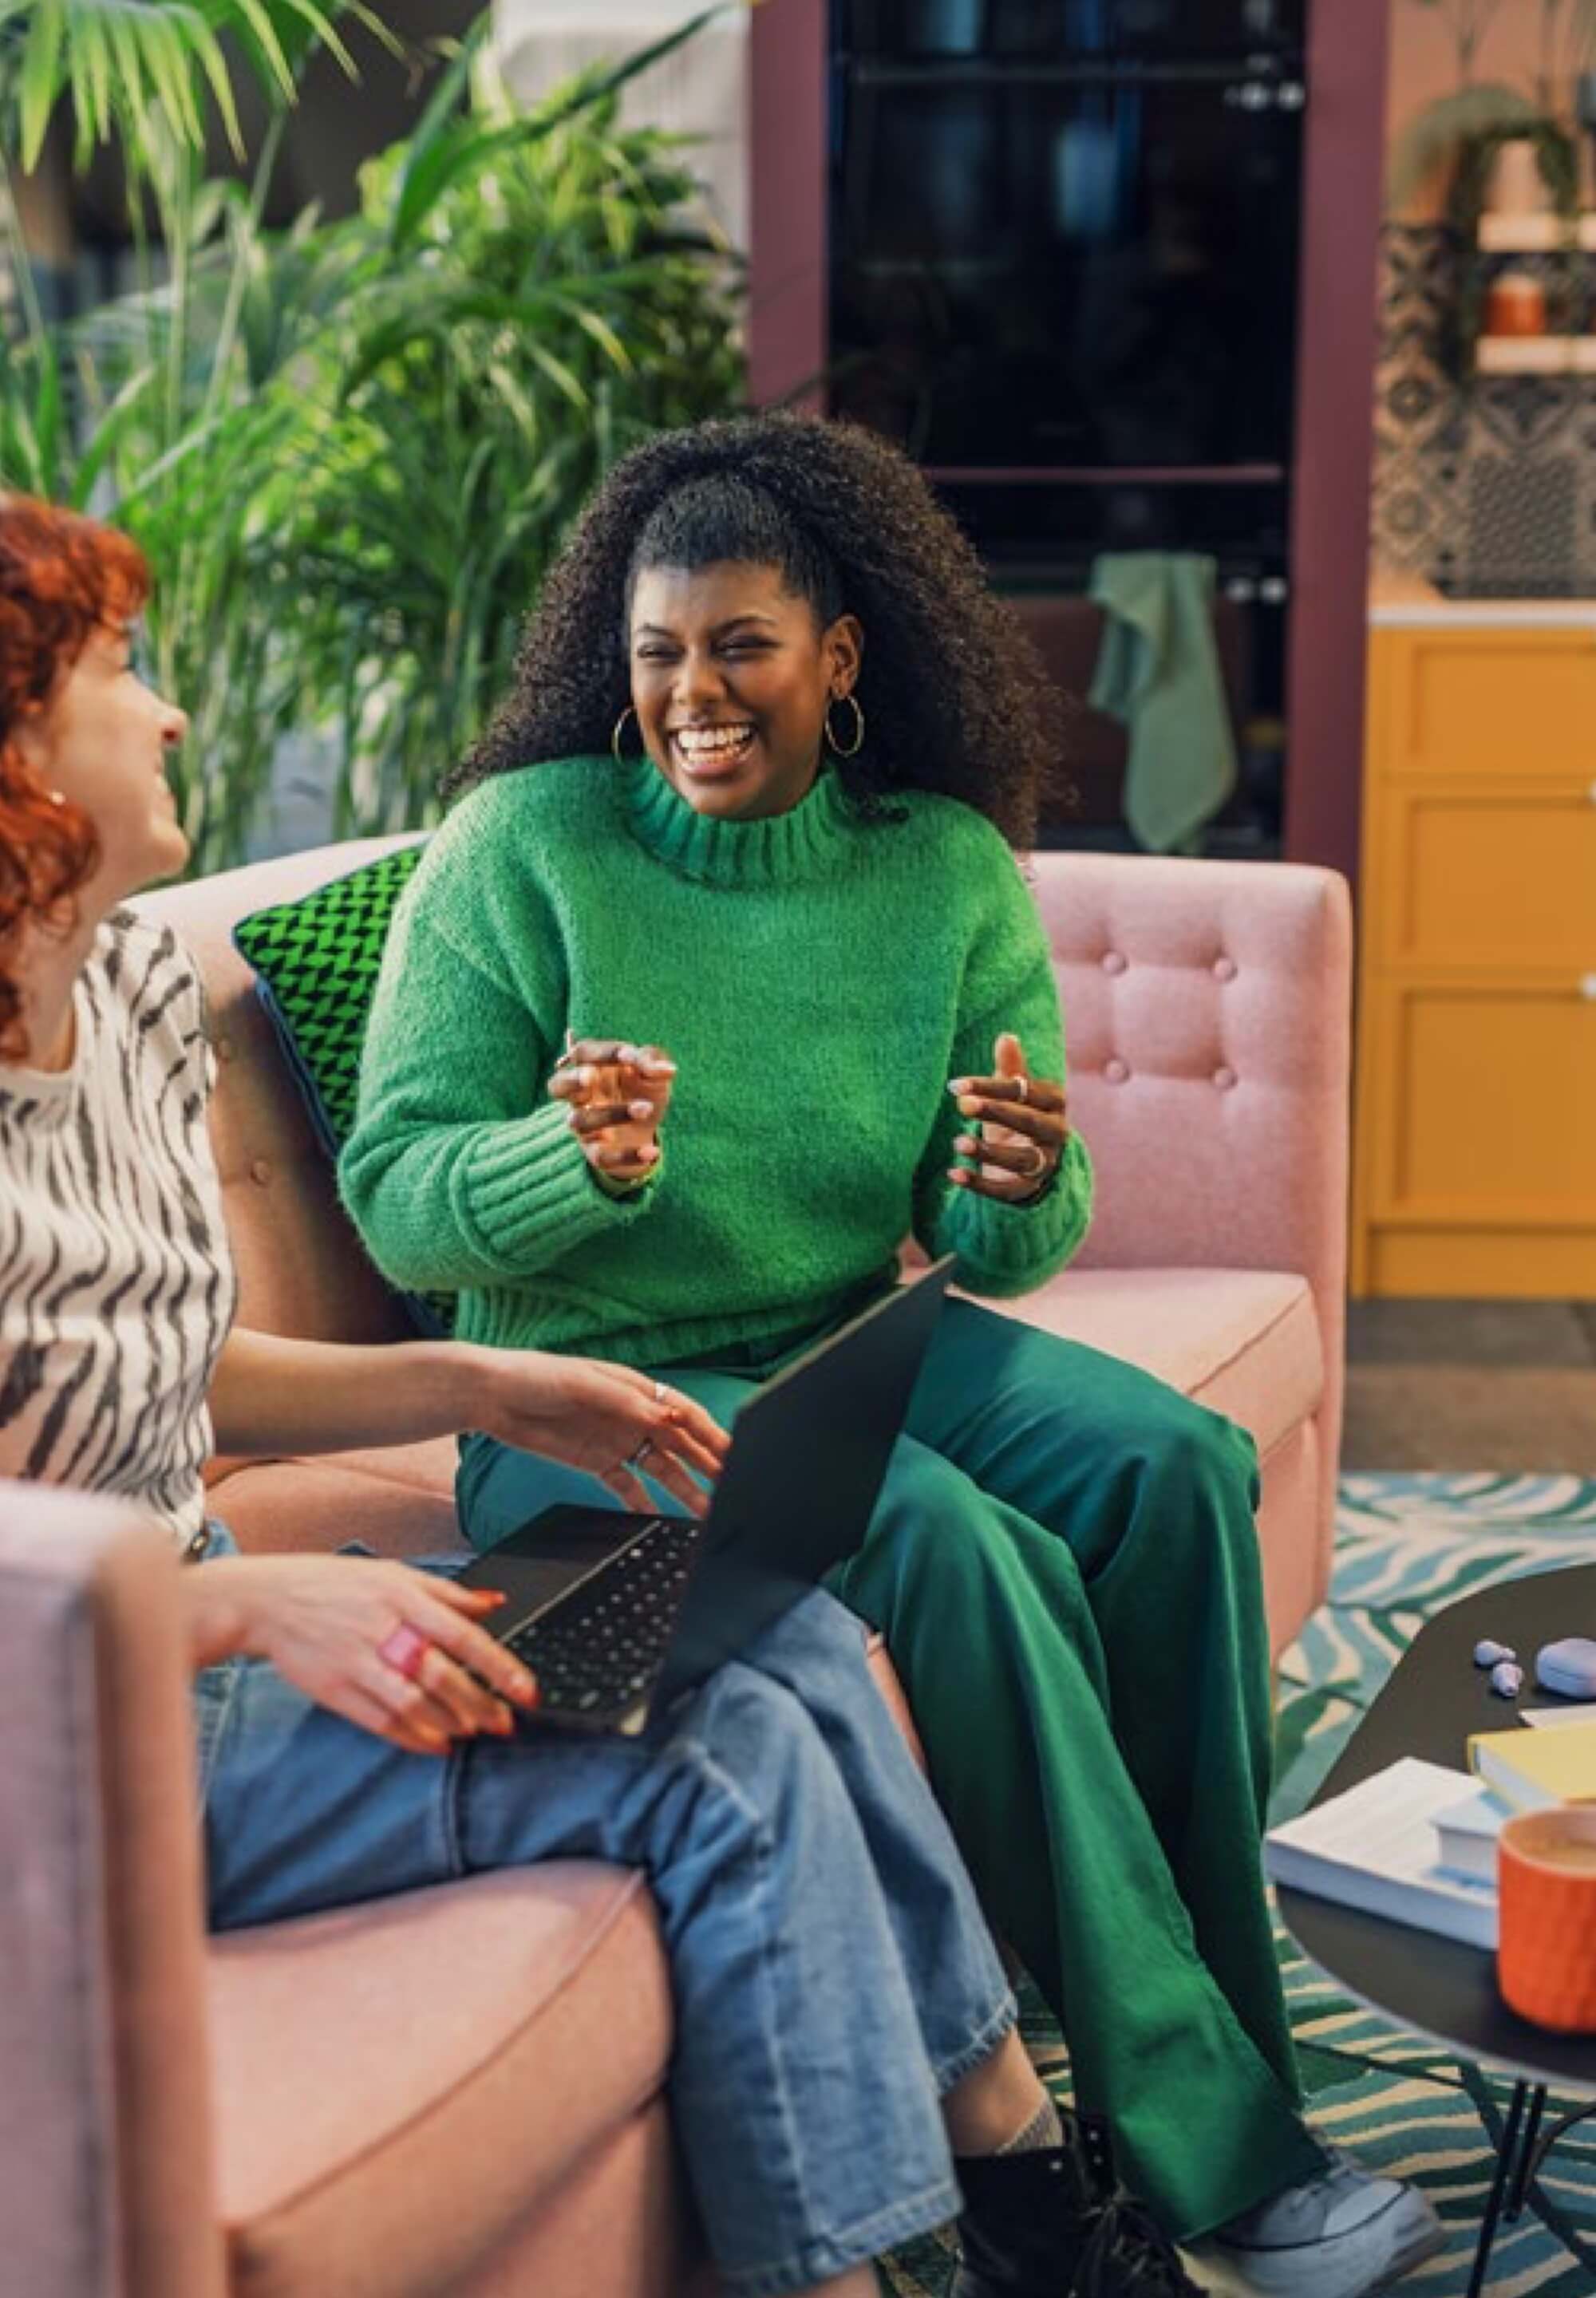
(1005, 1249)
(530, 1197)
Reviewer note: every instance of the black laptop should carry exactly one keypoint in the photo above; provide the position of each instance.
(617, 1614)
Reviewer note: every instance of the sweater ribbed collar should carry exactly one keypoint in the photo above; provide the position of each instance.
(813, 836)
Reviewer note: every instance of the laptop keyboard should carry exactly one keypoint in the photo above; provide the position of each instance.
(599, 1647)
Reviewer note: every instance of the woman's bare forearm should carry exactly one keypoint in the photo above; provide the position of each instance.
(272, 1395)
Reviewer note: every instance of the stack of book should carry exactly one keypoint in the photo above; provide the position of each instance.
(1416, 1842)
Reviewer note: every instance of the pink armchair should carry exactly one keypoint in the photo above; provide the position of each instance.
(181, 2119)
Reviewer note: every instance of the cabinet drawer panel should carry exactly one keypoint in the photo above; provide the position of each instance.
(1491, 880)
(1492, 1095)
(1495, 702)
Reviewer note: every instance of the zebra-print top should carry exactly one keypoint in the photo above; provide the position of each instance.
(117, 1286)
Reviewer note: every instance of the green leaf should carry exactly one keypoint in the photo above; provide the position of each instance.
(93, 83)
(433, 131)
(41, 59)
(257, 19)
(1433, 138)
(48, 420)
(211, 61)
(107, 435)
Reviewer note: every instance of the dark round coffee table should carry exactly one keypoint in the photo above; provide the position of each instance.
(1436, 1697)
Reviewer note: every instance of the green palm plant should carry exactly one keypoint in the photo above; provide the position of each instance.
(533, 300)
(349, 449)
(136, 411)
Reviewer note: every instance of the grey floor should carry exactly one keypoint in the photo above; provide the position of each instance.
(1457, 1385)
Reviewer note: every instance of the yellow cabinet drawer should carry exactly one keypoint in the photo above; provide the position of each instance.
(1487, 1105)
(1499, 701)
(1472, 878)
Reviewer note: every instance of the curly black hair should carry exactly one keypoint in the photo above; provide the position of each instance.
(953, 694)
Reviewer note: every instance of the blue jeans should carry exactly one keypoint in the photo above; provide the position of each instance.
(831, 1971)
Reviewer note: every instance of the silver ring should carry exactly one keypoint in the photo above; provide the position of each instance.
(635, 1458)
(1023, 1082)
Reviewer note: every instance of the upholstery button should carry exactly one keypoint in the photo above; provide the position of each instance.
(1224, 969)
(1115, 1071)
(260, 1171)
(1113, 961)
(1224, 1077)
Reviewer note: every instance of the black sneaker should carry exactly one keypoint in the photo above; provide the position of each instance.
(1128, 2255)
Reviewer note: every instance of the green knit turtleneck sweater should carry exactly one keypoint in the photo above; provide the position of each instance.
(817, 979)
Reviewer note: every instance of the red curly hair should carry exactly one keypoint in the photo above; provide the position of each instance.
(60, 576)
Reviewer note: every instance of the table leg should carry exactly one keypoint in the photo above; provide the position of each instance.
(1524, 2177)
(1506, 2164)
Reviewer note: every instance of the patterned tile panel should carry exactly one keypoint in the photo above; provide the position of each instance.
(1485, 485)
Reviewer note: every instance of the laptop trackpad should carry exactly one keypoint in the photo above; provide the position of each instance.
(546, 1557)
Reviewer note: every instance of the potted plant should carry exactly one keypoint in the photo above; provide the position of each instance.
(1474, 121)
(349, 448)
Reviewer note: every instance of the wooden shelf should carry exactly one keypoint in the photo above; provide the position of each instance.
(1536, 355)
(1535, 234)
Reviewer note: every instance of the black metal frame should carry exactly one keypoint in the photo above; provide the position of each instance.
(1519, 2154)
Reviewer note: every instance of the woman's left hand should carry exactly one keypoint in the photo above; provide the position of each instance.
(1023, 1128)
(617, 1424)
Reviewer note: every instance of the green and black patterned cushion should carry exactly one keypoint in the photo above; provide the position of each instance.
(315, 962)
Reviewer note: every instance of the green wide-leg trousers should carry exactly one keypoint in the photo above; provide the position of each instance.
(1064, 1565)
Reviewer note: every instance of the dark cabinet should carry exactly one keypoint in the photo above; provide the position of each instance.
(1066, 267)
(1080, 258)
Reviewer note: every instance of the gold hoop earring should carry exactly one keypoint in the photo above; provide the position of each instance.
(615, 740)
(857, 744)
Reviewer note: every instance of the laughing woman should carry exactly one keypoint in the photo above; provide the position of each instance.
(719, 979)
(840, 2014)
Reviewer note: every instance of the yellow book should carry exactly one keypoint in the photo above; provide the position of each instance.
(1533, 1769)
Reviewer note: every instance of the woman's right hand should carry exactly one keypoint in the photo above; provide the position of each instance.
(617, 1095)
(337, 1628)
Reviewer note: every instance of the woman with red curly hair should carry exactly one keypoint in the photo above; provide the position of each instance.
(64, 582)
(842, 2019)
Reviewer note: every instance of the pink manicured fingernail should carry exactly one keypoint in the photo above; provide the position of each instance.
(969, 1106)
(642, 1110)
(958, 1085)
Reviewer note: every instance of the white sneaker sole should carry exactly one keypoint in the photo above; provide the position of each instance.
(1353, 2265)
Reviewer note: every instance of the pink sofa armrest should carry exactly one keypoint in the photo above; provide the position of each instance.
(106, 2180)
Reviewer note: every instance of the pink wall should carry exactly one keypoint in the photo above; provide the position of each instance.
(1346, 71)
(786, 144)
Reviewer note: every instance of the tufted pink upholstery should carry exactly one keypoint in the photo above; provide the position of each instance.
(519, 2143)
(1207, 1006)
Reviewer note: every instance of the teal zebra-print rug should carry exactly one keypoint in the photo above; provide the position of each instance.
(1405, 1546)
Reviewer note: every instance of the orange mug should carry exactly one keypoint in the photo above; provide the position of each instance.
(1546, 1886)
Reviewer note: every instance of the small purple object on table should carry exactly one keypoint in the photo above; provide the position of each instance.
(1568, 1666)
(1487, 1654)
(1507, 1679)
